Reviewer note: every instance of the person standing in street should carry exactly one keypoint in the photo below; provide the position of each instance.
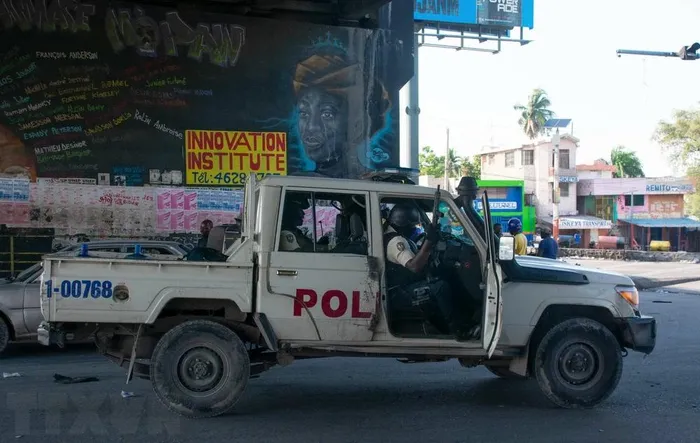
(204, 229)
(498, 230)
(515, 228)
(548, 246)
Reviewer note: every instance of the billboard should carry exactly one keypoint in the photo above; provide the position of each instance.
(495, 13)
(107, 91)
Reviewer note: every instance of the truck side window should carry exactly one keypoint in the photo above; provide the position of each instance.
(324, 223)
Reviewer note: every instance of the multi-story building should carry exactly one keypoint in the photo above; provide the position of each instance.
(534, 164)
(642, 209)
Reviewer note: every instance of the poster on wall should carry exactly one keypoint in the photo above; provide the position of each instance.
(183, 210)
(108, 91)
(14, 199)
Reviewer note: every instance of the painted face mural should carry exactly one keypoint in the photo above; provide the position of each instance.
(110, 96)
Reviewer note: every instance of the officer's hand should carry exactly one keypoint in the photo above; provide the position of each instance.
(431, 234)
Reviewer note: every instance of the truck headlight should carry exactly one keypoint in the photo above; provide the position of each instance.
(629, 293)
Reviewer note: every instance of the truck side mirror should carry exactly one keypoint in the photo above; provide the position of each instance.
(506, 248)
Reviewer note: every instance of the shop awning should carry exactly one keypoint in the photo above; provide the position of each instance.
(579, 222)
(662, 222)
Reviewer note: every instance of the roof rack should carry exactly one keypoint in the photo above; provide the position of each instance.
(392, 175)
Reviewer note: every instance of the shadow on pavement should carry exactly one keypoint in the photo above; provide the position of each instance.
(30, 349)
(308, 398)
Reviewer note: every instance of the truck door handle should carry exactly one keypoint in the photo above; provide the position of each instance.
(286, 273)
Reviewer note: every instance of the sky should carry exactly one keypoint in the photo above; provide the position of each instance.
(612, 101)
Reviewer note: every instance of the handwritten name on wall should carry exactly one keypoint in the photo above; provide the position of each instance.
(220, 43)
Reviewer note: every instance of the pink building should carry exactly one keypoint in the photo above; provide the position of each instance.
(641, 209)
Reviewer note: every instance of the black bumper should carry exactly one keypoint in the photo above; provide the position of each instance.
(639, 333)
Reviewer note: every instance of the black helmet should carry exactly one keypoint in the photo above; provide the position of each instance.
(403, 216)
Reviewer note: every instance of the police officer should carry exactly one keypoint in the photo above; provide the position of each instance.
(406, 265)
(292, 238)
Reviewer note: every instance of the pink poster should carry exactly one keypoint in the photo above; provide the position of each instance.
(178, 221)
(164, 200)
(163, 222)
(190, 200)
(178, 199)
(191, 223)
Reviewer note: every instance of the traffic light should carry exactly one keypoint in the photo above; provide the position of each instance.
(689, 52)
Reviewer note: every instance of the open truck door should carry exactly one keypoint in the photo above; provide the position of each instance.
(491, 325)
(249, 206)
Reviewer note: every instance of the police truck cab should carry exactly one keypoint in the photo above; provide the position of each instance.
(310, 277)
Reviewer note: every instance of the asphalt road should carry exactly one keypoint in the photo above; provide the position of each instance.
(365, 400)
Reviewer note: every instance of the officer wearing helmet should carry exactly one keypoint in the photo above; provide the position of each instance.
(292, 238)
(515, 228)
(406, 266)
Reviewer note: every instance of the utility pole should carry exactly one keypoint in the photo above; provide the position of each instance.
(555, 186)
(556, 123)
(447, 157)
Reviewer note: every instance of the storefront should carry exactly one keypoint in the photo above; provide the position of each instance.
(507, 201)
(580, 230)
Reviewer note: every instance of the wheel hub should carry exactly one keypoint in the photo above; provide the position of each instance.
(200, 369)
(578, 364)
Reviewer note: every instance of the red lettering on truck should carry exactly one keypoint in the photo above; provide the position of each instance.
(308, 298)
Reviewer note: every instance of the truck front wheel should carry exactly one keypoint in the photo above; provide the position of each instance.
(578, 363)
(200, 369)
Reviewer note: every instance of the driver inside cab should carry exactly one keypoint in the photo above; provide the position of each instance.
(292, 238)
(407, 265)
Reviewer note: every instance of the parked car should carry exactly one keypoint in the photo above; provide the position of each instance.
(20, 313)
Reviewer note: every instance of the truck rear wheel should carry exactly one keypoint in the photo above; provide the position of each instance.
(200, 369)
(578, 363)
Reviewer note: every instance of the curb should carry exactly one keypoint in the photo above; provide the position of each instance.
(644, 283)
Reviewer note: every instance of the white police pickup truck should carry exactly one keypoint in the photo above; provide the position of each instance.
(199, 330)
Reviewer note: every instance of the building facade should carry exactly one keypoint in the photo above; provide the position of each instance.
(641, 210)
(534, 165)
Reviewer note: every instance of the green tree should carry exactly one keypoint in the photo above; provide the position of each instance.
(535, 113)
(627, 163)
(472, 168)
(680, 138)
(434, 165)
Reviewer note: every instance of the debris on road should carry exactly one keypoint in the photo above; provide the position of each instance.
(127, 394)
(11, 374)
(58, 378)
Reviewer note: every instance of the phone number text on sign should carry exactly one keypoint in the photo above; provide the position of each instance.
(225, 158)
(223, 178)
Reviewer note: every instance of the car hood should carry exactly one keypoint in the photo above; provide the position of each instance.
(593, 275)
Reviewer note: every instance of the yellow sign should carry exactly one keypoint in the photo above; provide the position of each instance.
(225, 158)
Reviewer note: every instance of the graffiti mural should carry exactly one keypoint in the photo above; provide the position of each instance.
(107, 91)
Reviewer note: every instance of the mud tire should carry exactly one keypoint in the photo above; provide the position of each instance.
(196, 350)
(578, 363)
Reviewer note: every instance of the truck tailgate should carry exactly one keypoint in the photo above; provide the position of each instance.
(91, 290)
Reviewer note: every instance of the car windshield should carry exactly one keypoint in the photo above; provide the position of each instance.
(28, 273)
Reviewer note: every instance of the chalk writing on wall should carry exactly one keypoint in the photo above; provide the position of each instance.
(88, 88)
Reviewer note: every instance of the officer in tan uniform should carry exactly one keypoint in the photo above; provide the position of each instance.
(292, 238)
(406, 275)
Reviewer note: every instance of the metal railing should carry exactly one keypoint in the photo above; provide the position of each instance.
(18, 252)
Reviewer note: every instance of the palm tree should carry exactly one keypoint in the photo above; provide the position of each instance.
(454, 163)
(534, 115)
(626, 162)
